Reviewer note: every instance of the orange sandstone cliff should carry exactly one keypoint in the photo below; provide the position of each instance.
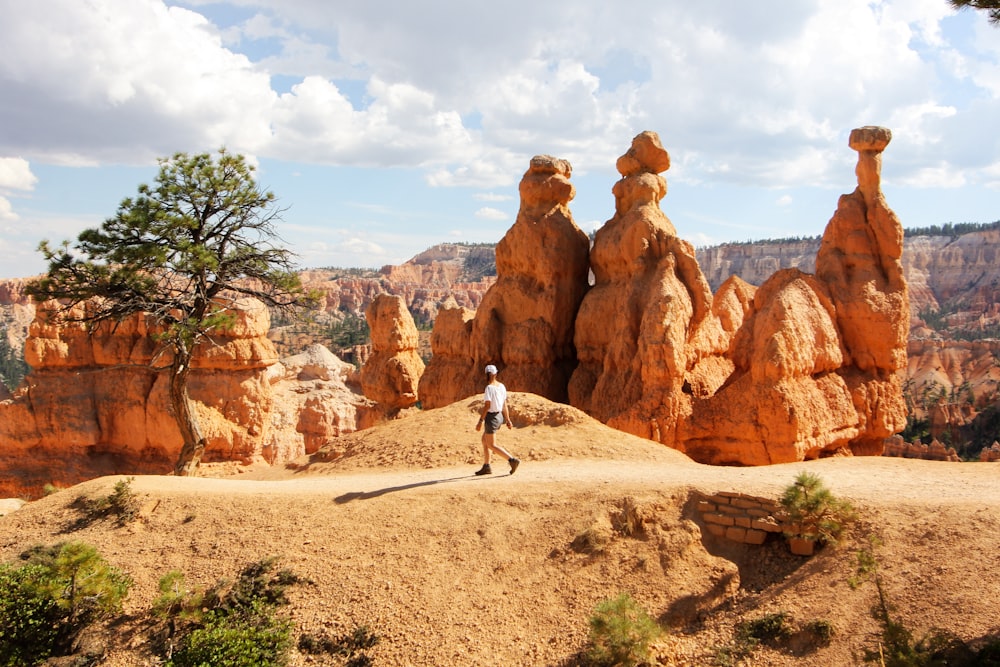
(93, 403)
(391, 374)
(525, 322)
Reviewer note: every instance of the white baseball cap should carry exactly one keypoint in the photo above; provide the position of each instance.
(491, 370)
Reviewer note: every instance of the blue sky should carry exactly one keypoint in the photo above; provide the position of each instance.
(388, 126)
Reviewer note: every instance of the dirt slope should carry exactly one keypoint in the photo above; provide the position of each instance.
(452, 569)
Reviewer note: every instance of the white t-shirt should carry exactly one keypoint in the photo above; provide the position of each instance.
(496, 394)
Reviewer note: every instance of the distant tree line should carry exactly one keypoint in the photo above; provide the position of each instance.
(781, 241)
(952, 229)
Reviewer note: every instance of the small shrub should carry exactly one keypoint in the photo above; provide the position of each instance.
(776, 630)
(592, 540)
(46, 602)
(629, 519)
(897, 646)
(177, 602)
(620, 633)
(769, 629)
(31, 623)
(816, 513)
(821, 630)
(252, 637)
(230, 625)
(122, 503)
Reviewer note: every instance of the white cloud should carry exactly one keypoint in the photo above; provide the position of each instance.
(124, 81)
(491, 197)
(740, 87)
(6, 210)
(784, 200)
(15, 174)
(490, 213)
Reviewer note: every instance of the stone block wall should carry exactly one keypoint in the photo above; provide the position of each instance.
(742, 518)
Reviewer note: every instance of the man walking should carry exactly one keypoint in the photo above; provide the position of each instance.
(494, 415)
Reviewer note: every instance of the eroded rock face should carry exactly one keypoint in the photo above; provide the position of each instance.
(391, 375)
(525, 322)
(648, 318)
(93, 404)
(316, 399)
(802, 367)
(446, 378)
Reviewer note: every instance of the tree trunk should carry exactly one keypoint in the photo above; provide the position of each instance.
(187, 421)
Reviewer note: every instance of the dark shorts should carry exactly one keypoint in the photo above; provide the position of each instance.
(494, 420)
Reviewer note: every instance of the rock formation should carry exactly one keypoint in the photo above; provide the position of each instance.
(392, 373)
(92, 404)
(804, 366)
(315, 400)
(936, 451)
(990, 454)
(447, 377)
(647, 321)
(525, 322)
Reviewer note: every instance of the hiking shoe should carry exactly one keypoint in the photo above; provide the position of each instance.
(513, 465)
(485, 470)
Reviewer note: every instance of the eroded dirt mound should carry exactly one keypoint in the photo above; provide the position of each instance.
(444, 437)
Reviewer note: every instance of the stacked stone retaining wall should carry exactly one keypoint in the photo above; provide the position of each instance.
(742, 518)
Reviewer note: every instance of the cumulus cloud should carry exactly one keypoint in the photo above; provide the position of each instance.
(491, 197)
(114, 80)
(15, 174)
(6, 210)
(470, 92)
(490, 213)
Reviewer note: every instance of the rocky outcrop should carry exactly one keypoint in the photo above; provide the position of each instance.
(936, 451)
(757, 261)
(445, 265)
(648, 318)
(392, 373)
(804, 366)
(316, 399)
(525, 323)
(446, 378)
(95, 403)
(991, 453)
(17, 310)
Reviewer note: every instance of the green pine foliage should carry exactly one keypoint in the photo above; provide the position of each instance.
(816, 513)
(233, 624)
(621, 633)
(48, 600)
(951, 229)
(252, 636)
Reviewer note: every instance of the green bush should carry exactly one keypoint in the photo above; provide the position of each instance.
(232, 624)
(620, 633)
(45, 602)
(769, 629)
(31, 623)
(815, 512)
(122, 503)
(821, 630)
(251, 637)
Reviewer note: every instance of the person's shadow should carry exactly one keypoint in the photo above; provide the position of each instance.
(366, 495)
